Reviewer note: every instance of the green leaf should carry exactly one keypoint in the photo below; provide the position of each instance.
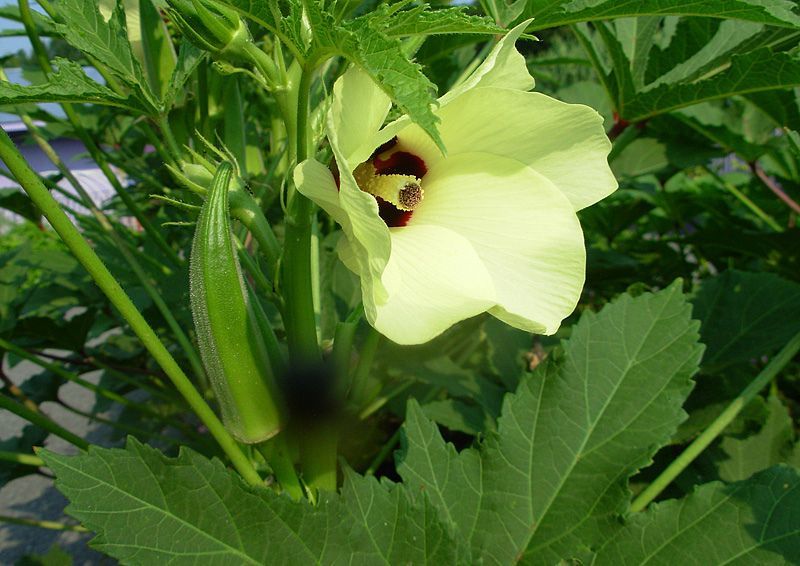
(313, 32)
(453, 481)
(420, 20)
(460, 416)
(149, 509)
(44, 25)
(661, 64)
(157, 51)
(642, 156)
(508, 348)
(756, 521)
(68, 84)
(459, 382)
(41, 387)
(393, 529)
(18, 202)
(189, 57)
(745, 315)
(54, 557)
(383, 58)
(106, 41)
(552, 13)
(767, 447)
(554, 476)
(756, 71)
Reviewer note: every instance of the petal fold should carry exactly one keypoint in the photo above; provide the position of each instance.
(357, 213)
(358, 111)
(522, 227)
(504, 67)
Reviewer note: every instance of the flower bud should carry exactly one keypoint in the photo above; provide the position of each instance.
(212, 27)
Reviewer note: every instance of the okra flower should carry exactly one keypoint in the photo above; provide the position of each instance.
(490, 226)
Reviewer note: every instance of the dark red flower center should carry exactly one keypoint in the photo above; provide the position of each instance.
(388, 162)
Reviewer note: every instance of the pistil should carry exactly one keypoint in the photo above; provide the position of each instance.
(403, 191)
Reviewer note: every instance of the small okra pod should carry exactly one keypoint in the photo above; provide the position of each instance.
(231, 345)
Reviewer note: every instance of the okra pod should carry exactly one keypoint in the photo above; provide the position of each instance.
(233, 351)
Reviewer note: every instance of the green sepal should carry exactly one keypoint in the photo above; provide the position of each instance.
(212, 26)
(231, 344)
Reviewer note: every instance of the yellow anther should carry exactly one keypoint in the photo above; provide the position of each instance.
(403, 191)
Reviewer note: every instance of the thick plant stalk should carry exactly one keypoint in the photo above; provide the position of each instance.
(231, 343)
(30, 182)
(300, 319)
(718, 426)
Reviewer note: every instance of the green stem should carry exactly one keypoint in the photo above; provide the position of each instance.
(24, 459)
(42, 421)
(30, 29)
(672, 471)
(276, 453)
(253, 270)
(202, 100)
(122, 246)
(318, 455)
(111, 288)
(51, 525)
(477, 60)
(358, 391)
(246, 210)
(151, 135)
(384, 452)
(380, 401)
(127, 429)
(623, 140)
(301, 327)
(342, 354)
(280, 91)
(75, 378)
(274, 351)
(745, 200)
(389, 445)
(175, 152)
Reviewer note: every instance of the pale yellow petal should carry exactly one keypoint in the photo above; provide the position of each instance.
(564, 142)
(434, 279)
(357, 112)
(523, 228)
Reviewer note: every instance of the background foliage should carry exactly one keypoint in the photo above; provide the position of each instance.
(510, 447)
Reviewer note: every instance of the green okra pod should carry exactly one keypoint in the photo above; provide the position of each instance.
(233, 351)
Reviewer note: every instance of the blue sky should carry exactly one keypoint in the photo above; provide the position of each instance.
(13, 44)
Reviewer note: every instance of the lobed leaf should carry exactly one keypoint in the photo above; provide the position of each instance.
(752, 72)
(745, 315)
(554, 476)
(68, 84)
(149, 509)
(769, 446)
(552, 13)
(756, 521)
(106, 41)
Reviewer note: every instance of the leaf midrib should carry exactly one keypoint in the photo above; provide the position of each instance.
(590, 431)
(150, 506)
